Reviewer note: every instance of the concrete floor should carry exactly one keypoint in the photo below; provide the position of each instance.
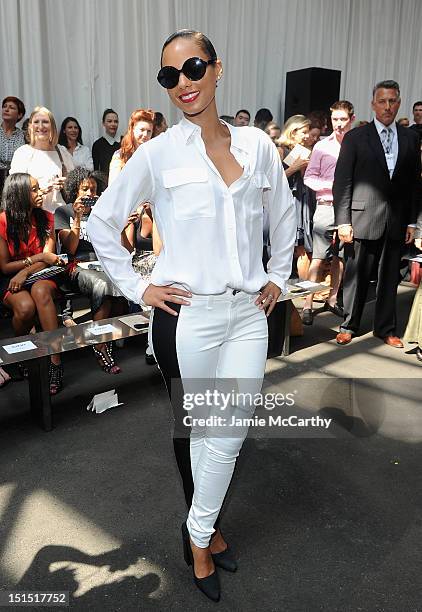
(319, 520)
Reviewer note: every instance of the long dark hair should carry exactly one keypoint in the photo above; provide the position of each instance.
(78, 176)
(62, 135)
(16, 203)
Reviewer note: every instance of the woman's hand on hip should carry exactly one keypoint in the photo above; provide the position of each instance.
(268, 297)
(156, 296)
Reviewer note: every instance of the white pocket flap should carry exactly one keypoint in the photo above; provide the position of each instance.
(183, 176)
(261, 181)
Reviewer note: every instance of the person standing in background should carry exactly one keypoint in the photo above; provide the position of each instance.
(11, 137)
(417, 117)
(160, 124)
(71, 137)
(242, 118)
(377, 201)
(319, 177)
(295, 132)
(262, 118)
(104, 147)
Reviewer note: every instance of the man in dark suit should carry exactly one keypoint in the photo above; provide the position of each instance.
(377, 200)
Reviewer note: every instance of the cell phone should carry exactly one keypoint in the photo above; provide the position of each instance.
(89, 201)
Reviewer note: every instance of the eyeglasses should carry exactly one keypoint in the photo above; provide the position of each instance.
(194, 69)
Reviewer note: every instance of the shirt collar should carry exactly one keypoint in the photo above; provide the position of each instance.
(110, 139)
(189, 130)
(380, 126)
(15, 131)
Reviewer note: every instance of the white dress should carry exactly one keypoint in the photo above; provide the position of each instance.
(43, 165)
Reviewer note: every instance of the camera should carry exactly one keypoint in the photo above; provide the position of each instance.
(89, 201)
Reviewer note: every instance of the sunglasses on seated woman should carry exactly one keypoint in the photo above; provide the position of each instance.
(194, 69)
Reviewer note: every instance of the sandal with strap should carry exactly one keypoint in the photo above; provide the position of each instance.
(105, 359)
(55, 376)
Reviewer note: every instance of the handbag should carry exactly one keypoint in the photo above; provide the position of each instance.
(64, 170)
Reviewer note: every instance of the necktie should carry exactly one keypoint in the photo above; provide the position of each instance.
(387, 139)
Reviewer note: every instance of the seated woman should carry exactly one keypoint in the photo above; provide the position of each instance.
(81, 188)
(27, 245)
(413, 333)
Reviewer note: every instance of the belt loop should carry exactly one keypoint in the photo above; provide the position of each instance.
(210, 302)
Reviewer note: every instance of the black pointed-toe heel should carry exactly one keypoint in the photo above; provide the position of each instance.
(225, 558)
(210, 585)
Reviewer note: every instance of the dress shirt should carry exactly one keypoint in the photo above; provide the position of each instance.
(8, 145)
(111, 139)
(212, 234)
(394, 145)
(319, 174)
(82, 157)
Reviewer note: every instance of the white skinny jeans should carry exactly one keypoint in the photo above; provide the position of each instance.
(216, 338)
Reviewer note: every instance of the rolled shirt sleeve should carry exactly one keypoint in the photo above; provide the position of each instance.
(133, 185)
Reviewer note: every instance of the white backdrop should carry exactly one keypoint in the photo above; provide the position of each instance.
(78, 57)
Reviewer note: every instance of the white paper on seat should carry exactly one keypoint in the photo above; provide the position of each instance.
(20, 347)
(99, 330)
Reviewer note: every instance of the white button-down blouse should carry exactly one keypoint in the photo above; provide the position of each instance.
(212, 234)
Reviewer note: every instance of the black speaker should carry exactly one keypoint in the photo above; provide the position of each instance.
(311, 89)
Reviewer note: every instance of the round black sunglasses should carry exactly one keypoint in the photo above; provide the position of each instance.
(194, 69)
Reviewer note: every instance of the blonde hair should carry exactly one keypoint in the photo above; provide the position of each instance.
(54, 135)
(296, 122)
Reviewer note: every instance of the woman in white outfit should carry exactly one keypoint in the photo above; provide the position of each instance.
(205, 181)
(44, 159)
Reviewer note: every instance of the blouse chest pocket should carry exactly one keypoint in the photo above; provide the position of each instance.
(190, 191)
(261, 186)
(260, 181)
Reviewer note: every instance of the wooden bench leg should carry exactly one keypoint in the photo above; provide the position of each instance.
(39, 392)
